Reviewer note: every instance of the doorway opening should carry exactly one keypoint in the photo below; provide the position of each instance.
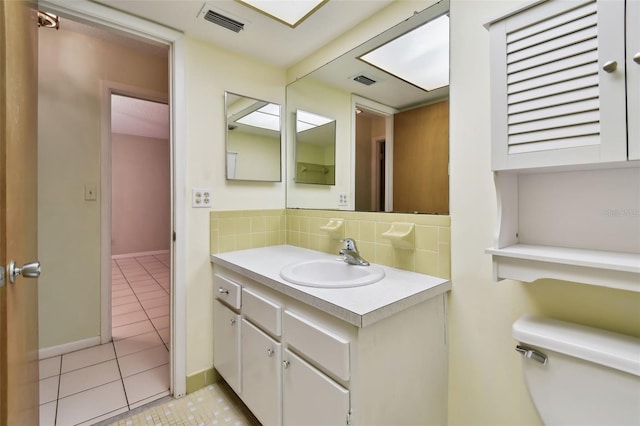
(140, 211)
(379, 174)
(372, 159)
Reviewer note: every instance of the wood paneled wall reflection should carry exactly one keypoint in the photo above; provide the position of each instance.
(420, 159)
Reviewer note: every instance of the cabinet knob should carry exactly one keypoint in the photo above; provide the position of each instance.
(232, 321)
(286, 364)
(223, 291)
(270, 352)
(636, 58)
(610, 66)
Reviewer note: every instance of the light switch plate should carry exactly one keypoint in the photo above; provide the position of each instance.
(202, 198)
(90, 192)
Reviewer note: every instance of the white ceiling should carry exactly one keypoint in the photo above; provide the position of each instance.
(263, 38)
(131, 116)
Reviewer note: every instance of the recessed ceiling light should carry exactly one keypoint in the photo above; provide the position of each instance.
(420, 57)
(290, 12)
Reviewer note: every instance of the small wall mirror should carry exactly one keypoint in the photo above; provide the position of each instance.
(253, 139)
(315, 147)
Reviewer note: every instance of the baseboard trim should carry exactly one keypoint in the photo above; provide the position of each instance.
(198, 380)
(142, 253)
(68, 347)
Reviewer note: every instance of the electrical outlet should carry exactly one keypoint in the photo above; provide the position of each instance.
(343, 199)
(201, 198)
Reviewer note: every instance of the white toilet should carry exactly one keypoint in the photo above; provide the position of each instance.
(578, 375)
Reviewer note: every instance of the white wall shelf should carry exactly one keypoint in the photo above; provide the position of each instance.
(526, 262)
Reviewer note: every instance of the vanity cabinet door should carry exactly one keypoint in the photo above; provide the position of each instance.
(226, 344)
(311, 397)
(261, 374)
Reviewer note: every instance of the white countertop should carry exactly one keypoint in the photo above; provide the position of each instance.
(360, 306)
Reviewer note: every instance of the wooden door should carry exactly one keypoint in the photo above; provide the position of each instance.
(18, 213)
(421, 159)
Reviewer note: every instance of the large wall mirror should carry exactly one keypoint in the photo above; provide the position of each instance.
(392, 128)
(253, 139)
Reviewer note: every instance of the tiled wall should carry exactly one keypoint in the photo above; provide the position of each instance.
(243, 229)
(236, 230)
(432, 238)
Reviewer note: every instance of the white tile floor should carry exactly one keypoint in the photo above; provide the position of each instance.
(94, 384)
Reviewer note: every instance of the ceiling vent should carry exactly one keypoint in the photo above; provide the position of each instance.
(219, 17)
(367, 81)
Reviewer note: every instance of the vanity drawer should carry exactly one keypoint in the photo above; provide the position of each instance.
(226, 290)
(318, 344)
(264, 313)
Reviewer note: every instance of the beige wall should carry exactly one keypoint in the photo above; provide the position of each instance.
(210, 72)
(258, 156)
(140, 183)
(71, 69)
(485, 382)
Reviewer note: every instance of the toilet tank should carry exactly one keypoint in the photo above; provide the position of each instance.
(589, 376)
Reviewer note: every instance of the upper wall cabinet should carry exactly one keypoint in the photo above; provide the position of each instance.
(565, 142)
(560, 80)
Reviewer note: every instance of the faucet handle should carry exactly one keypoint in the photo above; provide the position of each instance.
(350, 244)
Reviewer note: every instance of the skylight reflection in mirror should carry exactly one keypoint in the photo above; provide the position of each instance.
(267, 117)
(420, 57)
(307, 120)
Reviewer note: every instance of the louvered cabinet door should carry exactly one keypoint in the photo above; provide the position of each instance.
(557, 96)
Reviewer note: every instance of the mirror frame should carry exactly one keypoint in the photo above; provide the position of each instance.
(227, 94)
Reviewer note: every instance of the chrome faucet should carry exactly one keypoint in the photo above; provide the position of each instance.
(350, 253)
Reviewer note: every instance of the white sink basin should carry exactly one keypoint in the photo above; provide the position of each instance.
(331, 273)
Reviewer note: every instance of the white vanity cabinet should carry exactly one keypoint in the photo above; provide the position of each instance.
(565, 90)
(226, 344)
(311, 397)
(261, 374)
(558, 84)
(302, 365)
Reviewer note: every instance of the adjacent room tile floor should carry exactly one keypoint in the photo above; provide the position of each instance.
(94, 384)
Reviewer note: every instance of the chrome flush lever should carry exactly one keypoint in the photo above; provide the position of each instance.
(532, 354)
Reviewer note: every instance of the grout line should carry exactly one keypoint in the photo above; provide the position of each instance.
(124, 388)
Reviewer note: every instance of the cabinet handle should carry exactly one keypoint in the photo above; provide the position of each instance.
(636, 58)
(286, 364)
(270, 352)
(610, 66)
(232, 321)
(223, 291)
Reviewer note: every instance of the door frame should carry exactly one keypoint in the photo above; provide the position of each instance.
(387, 112)
(105, 17)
